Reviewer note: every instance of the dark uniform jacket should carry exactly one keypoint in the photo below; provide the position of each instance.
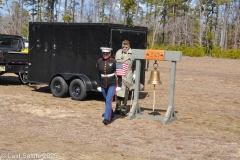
(106, 69)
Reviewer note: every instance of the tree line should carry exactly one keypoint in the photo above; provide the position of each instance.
(191, 23)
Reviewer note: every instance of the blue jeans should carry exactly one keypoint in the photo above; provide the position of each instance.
(108, 94)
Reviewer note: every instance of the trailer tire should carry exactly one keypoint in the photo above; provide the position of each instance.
(77, 90)
(59, 87)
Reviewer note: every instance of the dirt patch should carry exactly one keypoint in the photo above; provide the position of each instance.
(36, 125)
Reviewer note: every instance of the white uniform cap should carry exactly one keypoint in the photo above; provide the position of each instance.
(105, 49)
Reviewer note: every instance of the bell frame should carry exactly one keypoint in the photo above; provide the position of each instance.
(160, 55)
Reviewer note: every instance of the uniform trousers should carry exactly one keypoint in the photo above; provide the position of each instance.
(108, 94)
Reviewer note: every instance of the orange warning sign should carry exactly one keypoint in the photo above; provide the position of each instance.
(154, 55)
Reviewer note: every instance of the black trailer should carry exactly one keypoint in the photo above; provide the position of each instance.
(12, 60)
(64, 55)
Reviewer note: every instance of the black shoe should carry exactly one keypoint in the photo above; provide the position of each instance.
(106, 122)
(117, 112)
(123, 113)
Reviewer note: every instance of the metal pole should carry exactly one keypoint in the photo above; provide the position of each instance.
(172, 84)
(135, 109)
(154, 93)
(170, 114)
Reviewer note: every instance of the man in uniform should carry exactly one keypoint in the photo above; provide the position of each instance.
(107, 81)
(124, 56)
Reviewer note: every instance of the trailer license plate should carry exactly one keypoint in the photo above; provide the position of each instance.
(2, 68)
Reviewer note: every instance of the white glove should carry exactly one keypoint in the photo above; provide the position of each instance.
(118, 89)
(99, 88)
(133, 77)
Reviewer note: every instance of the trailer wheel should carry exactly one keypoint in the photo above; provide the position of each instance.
(59, 87)
(77, 90)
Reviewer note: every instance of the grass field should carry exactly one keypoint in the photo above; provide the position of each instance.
(34, 124)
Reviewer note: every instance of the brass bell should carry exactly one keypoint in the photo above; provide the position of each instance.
(154, 78)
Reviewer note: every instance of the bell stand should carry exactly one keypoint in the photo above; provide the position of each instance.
(160, 55)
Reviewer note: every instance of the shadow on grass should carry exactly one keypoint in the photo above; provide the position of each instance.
(45, 89)
(144, 111)
(90, 95)
(10, 80)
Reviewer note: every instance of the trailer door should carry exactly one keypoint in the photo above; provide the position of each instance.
(65, 48)
(40, 53)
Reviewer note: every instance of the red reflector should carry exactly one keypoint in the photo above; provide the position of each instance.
(1, 57)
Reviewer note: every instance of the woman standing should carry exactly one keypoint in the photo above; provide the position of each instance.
(107, 82)
(124, 56)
